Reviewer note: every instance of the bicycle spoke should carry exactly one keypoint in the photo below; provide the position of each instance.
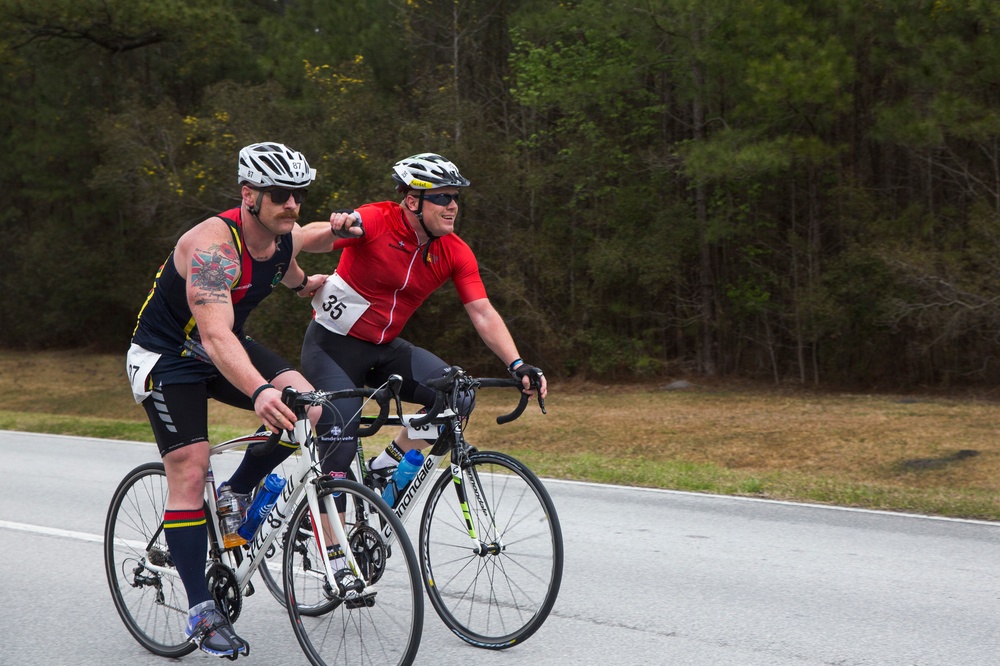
(152, 605)
(381, 623)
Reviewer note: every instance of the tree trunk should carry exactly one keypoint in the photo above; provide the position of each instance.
(706, 274)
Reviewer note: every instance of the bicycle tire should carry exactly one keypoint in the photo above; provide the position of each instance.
(272, 558)
(502, 597)
(270, 568)
(152, 606)
(383, 629)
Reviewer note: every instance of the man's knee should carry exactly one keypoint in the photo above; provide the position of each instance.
(337, 450)
(294, 379)
(187, 468)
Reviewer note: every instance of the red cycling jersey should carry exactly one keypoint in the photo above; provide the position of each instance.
(386, 267)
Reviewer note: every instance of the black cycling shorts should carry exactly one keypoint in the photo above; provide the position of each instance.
(178, 406)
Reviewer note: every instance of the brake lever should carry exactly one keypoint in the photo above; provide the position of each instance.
(536, 384)
(395, 382)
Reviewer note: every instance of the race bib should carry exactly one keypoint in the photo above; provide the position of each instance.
(428, 431)
(139, 363)
(337, 305)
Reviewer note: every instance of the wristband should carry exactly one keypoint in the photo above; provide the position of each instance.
(301, 286)
(513, 364)
(262, 387)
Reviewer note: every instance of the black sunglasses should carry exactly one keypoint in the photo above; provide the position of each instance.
(279, 195)
(441, 199)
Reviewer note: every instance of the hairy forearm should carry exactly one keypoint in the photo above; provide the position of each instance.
(317, 237)
(493, 330)
(229, 356)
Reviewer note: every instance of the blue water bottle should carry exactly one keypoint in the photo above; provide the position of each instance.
(265, 500)
(405, 471)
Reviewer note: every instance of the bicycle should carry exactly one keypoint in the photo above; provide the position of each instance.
(378, 620)
(492, 566)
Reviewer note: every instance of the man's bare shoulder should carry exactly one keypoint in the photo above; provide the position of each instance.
(212, 228)
(209, 238)
(208, 231)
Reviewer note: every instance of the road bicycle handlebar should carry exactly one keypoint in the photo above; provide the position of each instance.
(456, 380)
(299, 401)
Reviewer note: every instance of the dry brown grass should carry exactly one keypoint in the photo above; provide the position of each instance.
(80, 384)
(926, 453)
(934, 454)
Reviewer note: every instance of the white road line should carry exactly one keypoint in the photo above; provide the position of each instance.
(51, 531)
(98, 538)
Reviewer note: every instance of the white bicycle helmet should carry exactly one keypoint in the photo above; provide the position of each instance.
(425, 172)
(274, 165)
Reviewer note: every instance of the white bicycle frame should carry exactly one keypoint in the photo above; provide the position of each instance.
(297, 484)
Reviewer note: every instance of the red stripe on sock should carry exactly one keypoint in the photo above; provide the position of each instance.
(184, 515)
(190, 517)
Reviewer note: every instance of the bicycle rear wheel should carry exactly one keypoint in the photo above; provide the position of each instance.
(384, 624)
(497, 591)
(152, 605)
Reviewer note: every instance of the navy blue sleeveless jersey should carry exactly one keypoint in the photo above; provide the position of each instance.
(165, 322)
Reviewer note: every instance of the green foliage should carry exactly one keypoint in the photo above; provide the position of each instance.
(804, 80)
(736, 155)
(798, 189)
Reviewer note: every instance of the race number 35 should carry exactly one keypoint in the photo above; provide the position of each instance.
(333, 307)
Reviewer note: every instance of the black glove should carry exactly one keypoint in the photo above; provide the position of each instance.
(343, 231)
(523, 369)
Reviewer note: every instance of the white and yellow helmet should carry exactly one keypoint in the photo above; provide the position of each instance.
(425, 172)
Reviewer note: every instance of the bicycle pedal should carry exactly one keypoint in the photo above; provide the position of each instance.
(347, 582)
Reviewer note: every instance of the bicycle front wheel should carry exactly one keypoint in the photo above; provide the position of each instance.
(380, 624)
(151, 603)
(495, 590)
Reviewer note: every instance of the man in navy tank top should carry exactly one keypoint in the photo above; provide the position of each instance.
(189, 346)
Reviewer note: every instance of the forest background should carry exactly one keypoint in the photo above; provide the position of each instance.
(796, 190)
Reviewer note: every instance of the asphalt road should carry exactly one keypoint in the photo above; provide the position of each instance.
(651, 577)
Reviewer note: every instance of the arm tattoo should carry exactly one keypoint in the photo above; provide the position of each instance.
(213, 272)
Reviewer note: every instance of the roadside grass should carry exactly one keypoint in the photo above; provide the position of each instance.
(91, 426)
(928, 454)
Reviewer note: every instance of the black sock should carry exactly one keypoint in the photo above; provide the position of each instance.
(187, 538)
(254, 468)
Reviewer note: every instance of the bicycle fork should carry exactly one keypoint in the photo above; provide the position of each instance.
(479, 547)
(338, 535)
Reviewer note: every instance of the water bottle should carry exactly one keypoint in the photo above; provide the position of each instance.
(405, 471)
(265, 500)
(229, 520)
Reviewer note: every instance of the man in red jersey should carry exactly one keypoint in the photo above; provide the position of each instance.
(395, 254)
